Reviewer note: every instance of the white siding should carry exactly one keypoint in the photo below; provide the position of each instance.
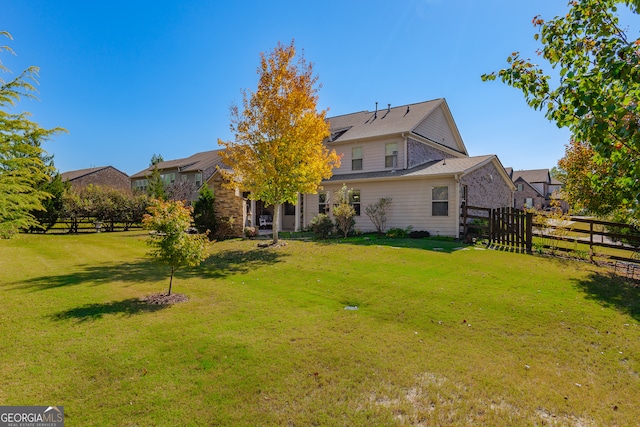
(437, 128)
(411, 205)
(372, 155)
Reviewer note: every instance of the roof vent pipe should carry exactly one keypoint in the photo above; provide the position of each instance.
(407, 112)
(376, 113)
(388, 108)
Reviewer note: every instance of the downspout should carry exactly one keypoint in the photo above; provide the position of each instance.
(406, 153)
(457, 178)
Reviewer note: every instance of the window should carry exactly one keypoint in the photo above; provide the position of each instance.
(355, 201)
(168, 178)
(185, 178)
(440, 201)
(528, 203)
(464, 193)
(140, 184)
(198, 180)
(356, 158)
(520, 187)
(391, 155)
(289, 208)
(323, 203)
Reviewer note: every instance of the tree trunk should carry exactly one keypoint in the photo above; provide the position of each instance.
(170, 281)
(276, 221)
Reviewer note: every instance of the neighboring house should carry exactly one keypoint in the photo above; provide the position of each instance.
(535, 189)
(105, 176)
(186, 176)
(415, 155)
(191, 172)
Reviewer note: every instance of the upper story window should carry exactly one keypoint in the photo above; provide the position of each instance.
(520, 187)
(440, 201)
(391, 155)
(356, 158)
(198, 179)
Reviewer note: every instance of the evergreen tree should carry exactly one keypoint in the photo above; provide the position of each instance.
(23, 165)
(204, 215)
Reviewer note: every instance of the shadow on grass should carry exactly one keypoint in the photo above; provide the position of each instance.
(614, 291)
(225, 263)
(134, 272)
(127, 307)
(429, 244)
(217, 265)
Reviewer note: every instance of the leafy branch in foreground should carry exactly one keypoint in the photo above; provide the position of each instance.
(597, 97)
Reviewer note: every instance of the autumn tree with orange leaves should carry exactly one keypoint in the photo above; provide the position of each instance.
(278, 151)
(582, 169)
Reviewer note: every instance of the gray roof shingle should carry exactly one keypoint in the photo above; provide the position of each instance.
(366, 124)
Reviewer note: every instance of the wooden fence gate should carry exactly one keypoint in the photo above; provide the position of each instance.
(506, 227)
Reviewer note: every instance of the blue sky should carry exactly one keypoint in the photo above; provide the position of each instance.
(128, 79)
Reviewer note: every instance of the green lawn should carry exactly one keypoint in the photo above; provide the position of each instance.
(441, 336)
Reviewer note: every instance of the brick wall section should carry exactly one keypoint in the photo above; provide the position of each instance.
(528, 191)
(419, 153)
(485, 192)
(108, 177)
(228, 204)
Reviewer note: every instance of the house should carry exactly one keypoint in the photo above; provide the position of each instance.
(105, 176)
(415, 155)
(412, 154)
(535, 189)
(184, 178)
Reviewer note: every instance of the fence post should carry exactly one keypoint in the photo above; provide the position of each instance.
(529, 231)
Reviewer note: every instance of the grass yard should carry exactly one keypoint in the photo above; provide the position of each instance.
(440, 336)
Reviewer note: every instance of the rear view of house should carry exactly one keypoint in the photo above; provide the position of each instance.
(414, 155)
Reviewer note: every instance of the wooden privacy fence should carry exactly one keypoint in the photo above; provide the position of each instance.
(506, 227)
(584, 236)
(90, 225)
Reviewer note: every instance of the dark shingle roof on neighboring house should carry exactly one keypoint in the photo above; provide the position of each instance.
(72, 175)
(532, 176)
(197, 162)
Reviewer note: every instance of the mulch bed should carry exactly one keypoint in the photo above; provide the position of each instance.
(161, 299)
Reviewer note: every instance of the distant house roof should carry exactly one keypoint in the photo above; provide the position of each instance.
(197, 162)
(532, 176)
(106, 176)
(389, 121)
(73, 175)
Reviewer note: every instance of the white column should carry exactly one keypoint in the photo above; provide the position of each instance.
(254, 217)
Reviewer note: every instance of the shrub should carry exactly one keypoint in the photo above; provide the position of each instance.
(419, 234)
(204, 215)
(377, 213)
(224, 227)
(344, 212)
(321, 225)
(250, 231)
(396, 232)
